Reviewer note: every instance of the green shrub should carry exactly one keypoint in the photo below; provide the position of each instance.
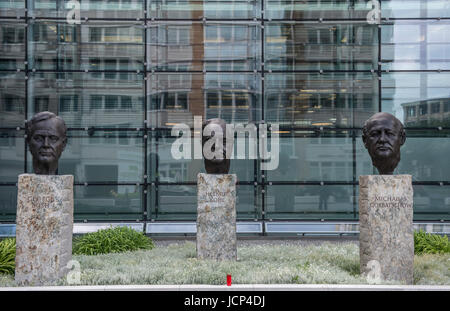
(427, 243)
(7, 256)
(111, 240)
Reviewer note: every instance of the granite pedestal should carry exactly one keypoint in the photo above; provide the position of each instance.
(44, 226)
(386, 239)
(216, 216)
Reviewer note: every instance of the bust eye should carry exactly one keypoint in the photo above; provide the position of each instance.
(38, 138)
(54, 138)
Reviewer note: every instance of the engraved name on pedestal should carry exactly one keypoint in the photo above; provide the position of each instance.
(216, 217)
(44, 226)
(386, 228)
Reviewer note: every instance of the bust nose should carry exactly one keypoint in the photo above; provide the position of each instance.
(383, 137)
(46, 141)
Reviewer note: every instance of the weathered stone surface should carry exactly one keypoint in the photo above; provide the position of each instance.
(216, 216)
(44, 225)
(386, 228)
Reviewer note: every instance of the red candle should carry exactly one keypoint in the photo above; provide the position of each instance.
(228, 279)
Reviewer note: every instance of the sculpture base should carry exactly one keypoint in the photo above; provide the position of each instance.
(216, 216)
(44, 226)
(386, 239)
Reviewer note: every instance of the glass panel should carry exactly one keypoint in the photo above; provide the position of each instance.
(306, 157)
(416, 45)
(12, 8)
(179, 202)
(314, 9)
(103, 156)
(320, 100)
(110, 202)
(418, 99)
(89, 46)
(12, 47)
(415, 8)
(431, 202)
(12, 99)
(294, 46)
(12, 150)
(311, 202)
(175, 202)
(85, 101)
(88, 8)
(8, 203)
(171, 170)
(425, 156)
(217, 9)
(170, 94)
(210, 46)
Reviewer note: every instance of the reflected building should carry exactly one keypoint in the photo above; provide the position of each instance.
(427, 113)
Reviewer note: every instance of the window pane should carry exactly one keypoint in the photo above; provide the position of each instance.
(93, 102)
(89, 46)
(12, 47)
(88, 8)
(314, 9)
(112, 202)
(8, 203)
(310, 202)
(12, 8)
(415, 8)
(416, 45)
(431, 202)
(306, 157)
(12, 99)
(217, 9)
(198, 46)
(409, 96)
(192, 90)
(320, 100)
(290, 46)
(12, 155)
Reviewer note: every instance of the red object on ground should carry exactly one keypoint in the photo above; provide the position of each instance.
(228, 279)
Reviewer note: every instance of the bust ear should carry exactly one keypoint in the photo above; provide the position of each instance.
(64, 143)
(364, 139)
(403, 138)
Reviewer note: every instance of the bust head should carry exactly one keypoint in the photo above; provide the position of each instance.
(216, 162)
(46, 138)
(383, 135)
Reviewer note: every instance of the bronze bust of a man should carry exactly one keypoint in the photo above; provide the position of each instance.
(216, 164)
(46, 138)
(383, 135)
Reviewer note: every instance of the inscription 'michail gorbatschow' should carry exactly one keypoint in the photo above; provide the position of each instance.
(389, 201)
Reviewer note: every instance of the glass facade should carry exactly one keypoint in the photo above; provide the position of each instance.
(129, 70)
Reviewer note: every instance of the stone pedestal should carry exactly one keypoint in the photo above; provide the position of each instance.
(386, 240)
(216, 216)
(44, 225)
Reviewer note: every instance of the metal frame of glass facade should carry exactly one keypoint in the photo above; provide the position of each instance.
(267, 78)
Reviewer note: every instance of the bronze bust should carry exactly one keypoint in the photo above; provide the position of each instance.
(46, 138)
(383, 135)
(216, 165)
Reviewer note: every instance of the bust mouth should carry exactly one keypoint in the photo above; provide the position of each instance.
(383, 148)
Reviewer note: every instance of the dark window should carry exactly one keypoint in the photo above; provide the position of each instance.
(423, 109)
